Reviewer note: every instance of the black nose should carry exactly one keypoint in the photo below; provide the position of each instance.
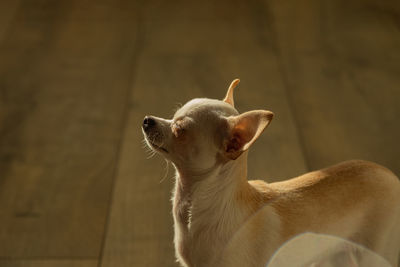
(148, 122)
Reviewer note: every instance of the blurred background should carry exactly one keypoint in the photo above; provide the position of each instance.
(77, 77)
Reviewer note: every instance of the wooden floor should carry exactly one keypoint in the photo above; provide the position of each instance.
(78, 76)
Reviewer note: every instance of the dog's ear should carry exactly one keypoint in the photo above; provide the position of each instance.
(244, 129)
(229, 94)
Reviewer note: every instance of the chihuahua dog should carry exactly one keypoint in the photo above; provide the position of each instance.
(222, 219)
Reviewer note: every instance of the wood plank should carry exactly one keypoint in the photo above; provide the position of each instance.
(343, 64)
(192, 50)
(48, 263)
(7, 13)
(140, 227)
(64, 77)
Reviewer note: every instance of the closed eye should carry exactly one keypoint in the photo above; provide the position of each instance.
(177, 129)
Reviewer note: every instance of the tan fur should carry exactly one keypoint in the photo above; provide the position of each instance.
(354, 199)
(222, 219)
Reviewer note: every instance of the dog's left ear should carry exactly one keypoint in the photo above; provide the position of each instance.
(244, 130)
(229, 94)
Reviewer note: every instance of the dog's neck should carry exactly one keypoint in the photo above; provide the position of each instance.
(210, 198)
(210, 206)
(231, 173)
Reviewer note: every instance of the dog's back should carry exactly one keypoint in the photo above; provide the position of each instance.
(357, 200)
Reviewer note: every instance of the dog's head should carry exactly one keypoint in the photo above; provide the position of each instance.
(205, 132)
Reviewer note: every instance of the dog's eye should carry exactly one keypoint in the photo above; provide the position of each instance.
(177, 129)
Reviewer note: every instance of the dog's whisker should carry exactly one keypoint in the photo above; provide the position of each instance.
(152, 153)
(166, 171)
(146, 146)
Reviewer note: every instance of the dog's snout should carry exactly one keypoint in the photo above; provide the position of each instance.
(148, 123)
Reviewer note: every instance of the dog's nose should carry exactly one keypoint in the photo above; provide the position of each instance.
(148, 122)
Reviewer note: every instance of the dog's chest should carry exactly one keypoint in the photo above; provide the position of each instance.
(199, 236)
(198, 243)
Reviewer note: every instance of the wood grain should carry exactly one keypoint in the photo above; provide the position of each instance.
(64, 77)
(48, 263)
(342, 64)
(7, 13)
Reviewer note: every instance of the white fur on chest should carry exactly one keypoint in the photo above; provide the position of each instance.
(205, 221)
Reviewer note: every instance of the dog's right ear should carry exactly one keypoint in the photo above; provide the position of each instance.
(229, 94)
(244, 129)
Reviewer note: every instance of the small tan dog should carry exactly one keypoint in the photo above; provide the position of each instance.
(222, 219)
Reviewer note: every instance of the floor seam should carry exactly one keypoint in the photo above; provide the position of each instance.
(286, 85)
(138, 43)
